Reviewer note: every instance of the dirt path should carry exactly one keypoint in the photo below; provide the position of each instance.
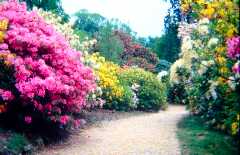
(146, 134)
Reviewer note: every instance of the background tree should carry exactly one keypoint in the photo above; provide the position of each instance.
(167, 46)
(109, 45)
(89, 22)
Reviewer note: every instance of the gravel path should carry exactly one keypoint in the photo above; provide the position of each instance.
(146, 134)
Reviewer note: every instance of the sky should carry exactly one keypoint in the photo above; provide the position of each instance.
(146, 17)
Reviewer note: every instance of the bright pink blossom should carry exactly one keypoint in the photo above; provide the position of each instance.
(46, 67)
(28, 119)
(233, 47)
(6, 95)
(64, 119)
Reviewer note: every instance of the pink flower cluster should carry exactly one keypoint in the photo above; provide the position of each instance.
(45, 65)
(6, 95)
(233, 47)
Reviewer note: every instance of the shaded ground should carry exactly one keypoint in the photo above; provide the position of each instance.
(197, 139)
(125, 134)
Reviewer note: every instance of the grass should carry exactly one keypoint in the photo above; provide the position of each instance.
(12, 143)
(197, 139)
(16, 143)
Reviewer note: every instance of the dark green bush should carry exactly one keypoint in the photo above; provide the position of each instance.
(151, 93)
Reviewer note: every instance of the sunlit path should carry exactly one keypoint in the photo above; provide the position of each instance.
(153, 133)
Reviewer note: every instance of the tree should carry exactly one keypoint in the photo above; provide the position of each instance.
(135, 54)
(89, 22)
(168, 45)
(109, 45)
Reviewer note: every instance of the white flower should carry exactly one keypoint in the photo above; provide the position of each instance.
(212, 42)
(162, 74)
(204, 21)
(203, 29)
(135, 87)
(231, 83)
(212, 89)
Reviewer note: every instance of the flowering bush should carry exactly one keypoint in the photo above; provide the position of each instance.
(212, 38)
(150, 91)
(117, 95)
(48, 80)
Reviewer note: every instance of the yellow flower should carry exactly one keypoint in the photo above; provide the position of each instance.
(208, 12)
(231, 31)
(221, 80)
(1, 36)
(3, 25)
(200, 2)
(220, 49)
(184, 7)
(234, 128)
(221, 60)
(223, 70)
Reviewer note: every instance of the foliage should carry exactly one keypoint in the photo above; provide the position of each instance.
(163, 65)
(17, 143)
(89, 22)
(167, 46)
(48, 82)
(151, 92)
(210, 52)
(109, 45)
(197, 139)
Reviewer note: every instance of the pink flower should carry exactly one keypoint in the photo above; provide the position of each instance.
(6, 95)
(236, 68)
(45, 65)
(28, 119)
(64, 119)
(233, 47)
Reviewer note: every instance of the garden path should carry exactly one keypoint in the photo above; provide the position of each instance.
(141, 134)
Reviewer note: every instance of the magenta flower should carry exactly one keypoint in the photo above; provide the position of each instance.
(233, 47)
(46, 67)
(28, 119)
(64, 119)
(6, 95)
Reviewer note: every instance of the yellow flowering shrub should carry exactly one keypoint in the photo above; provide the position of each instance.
(117, 95)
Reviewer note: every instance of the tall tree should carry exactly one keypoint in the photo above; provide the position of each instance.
(109, 45)
(89, 22)
(168, 45)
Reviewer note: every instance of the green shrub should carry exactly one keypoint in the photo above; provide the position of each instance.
(151, 93)
(125, 103)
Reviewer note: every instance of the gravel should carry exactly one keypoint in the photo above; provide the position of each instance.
(127, 134)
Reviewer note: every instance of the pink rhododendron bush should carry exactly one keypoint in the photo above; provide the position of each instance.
(41, 76)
